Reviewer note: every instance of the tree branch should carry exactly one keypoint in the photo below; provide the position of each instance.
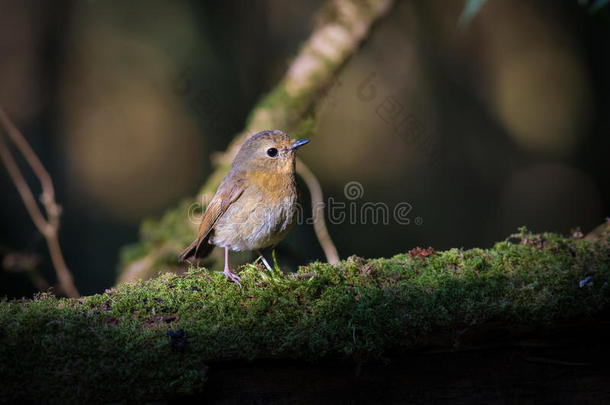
(49, 226)
(317, 207)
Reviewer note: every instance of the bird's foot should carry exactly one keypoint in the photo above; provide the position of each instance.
(234, 277)
(265, 262)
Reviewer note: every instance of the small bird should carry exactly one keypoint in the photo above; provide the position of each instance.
(256, 204)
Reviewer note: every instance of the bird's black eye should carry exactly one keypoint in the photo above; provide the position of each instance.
(272, 152)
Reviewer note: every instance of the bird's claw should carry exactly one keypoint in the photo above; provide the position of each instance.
(234, 277)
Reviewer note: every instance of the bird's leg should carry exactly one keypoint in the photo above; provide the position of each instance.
(227, 271)
(264, 261)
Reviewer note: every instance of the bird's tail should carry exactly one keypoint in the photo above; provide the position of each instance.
(199, 249)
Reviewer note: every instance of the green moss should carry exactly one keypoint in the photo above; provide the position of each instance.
(278, 96)
(305, 129)
(358, 310)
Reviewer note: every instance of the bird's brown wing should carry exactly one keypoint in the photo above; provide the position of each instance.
(228, 192)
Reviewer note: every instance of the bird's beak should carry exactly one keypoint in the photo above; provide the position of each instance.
(299, 142)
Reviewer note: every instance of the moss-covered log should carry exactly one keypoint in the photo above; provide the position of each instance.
(156, 339)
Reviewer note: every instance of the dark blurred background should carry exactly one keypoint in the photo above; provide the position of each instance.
(480, 128)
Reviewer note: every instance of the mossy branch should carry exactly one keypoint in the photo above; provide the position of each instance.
(342, 26)
(359, 310)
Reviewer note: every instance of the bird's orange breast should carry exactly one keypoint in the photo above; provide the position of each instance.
(262, 216)
(274, 186)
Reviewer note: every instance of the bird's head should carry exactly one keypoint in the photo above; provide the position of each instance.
(268, 151)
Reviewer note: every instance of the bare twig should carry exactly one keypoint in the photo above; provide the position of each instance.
(49, 226)
(317, 208)
(18, 262)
